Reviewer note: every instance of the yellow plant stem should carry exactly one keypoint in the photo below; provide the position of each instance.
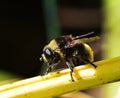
(57, 83)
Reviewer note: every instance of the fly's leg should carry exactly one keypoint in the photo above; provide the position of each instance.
(87, 61)
(92, 64)
(49, 69)
(71, 66)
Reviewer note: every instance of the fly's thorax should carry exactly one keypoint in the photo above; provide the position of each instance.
(53, 45)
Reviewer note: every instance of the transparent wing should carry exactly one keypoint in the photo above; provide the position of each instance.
(82, 36)
(86, 40)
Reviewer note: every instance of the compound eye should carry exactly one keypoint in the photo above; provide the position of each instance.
(48, 53)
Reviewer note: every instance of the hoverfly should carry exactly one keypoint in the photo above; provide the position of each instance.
(72, 50)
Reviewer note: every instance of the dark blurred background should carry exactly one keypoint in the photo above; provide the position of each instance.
(23, 30)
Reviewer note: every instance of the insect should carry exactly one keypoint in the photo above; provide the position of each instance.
(73, 51)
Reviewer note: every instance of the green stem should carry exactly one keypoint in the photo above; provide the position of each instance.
(57, 83)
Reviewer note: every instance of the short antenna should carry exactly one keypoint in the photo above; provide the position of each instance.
(41, 58)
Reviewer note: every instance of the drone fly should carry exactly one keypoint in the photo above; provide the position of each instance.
(72, 50)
